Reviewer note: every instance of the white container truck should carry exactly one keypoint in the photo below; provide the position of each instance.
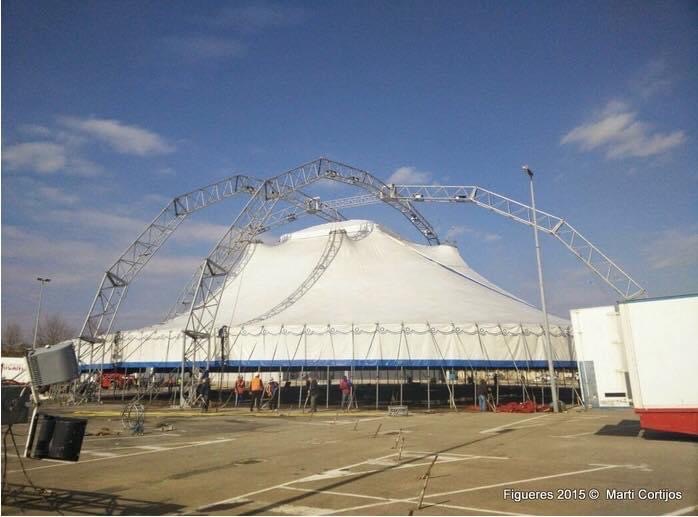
(661, 346)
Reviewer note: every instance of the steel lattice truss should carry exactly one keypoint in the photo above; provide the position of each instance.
(581, 247)
(219, 266)
(118, 277)
(324, 209)
(334, 242)
(201, 297)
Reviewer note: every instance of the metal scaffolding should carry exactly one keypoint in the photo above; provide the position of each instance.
(591, 256)
(117, 278)
(201, 297)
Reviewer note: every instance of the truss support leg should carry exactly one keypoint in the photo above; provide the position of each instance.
(181, 378)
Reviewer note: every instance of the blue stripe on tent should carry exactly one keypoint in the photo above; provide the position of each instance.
(345, 363)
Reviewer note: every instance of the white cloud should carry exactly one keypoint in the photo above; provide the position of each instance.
(200, 231)
(74, 262)
(622, 135)
(408, 175)
(35, 130)
(43, 157)
(125, 228)
(166, 171)
(119, 136)
(62, 149)
(654, 78)
(455, 231)
(57, 195)
(196, 48)
(673, 249)
(154, 201)
(260, 16)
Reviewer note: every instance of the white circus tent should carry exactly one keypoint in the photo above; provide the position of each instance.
(352, 294)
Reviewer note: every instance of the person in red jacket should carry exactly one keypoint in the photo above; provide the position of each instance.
(239, 389)
(346, 387)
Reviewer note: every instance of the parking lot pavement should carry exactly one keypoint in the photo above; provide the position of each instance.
(235, 462)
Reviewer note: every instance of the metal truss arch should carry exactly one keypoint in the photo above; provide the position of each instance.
(116, 280)
(252, 220)
(590, 255)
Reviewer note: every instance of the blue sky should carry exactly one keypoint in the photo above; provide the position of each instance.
(109, 109)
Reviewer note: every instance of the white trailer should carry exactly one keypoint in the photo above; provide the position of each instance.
(661, 344)
(15, 369)
(603, 369)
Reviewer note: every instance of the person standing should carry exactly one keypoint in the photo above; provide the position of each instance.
(239, 389)
(272, 393)
(482, 394)
(205, 390)
(346, 387)
(313, 391)
(256, 391)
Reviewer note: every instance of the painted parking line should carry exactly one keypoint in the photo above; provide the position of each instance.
(314, 477)
(683, 511)
(570, 435)
(101, 454)
(387, 500)
(346, 471)
(93, 439)
(392, 461)
(527, 480)
(112, 458)
(504, 426)
(292, 509)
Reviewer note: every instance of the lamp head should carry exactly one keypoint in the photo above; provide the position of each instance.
(527, 170)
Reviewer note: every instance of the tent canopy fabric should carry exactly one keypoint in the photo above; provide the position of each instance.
(375, 277)
(352, 293)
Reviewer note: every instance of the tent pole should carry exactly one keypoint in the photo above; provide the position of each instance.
(402, 380)
(524, 394)
(377, 379)
(428, 389)
(472, 376)
(452, 401)
(123, 388)
(497, 388)
(278, 402)
(327, 390)
(300, 390)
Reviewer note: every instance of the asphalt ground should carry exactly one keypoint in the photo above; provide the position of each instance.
(361, 463)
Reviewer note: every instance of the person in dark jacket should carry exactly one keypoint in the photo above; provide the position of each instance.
(272, 392)
(205, 390)
(482, 394)
(313, 390)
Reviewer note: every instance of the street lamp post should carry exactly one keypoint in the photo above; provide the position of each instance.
(546, 337)
(38, 309)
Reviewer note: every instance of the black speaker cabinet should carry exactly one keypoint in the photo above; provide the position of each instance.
(58, 437)
(15, 403)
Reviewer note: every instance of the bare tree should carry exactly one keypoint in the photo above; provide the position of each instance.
(54, 329)
(11, 334)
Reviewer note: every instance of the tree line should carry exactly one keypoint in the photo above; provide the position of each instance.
(52, 329)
